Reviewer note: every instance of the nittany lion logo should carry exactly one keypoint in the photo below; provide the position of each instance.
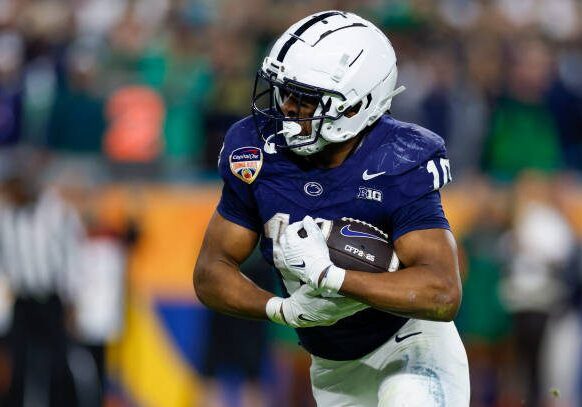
(246, 162)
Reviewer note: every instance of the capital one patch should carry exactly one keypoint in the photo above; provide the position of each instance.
(246, 162)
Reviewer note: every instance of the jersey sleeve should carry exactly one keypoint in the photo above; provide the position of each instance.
(424, 213)
(237, 202)
(416, 204)
(232, 208)
(429, 175)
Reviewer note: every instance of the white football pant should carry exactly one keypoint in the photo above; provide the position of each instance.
(420, 370)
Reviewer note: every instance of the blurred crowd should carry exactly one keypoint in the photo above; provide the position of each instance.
(126, 89)
(157, 81)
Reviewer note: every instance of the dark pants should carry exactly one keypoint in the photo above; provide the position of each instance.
(529, 331)
(38, 346)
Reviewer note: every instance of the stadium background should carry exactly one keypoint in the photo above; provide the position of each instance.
(127, 101)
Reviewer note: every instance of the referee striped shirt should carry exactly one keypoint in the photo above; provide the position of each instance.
(40, 247)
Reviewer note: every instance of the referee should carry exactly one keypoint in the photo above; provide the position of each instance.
(39, 240)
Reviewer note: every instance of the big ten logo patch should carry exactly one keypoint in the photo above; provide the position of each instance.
(370, 194)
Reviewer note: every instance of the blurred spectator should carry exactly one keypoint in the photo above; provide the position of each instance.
(135, 112)
(456, 108)
(77, 119)
(99, 307)
(566, 103)
(135, 115)
(562, 351)
(233, 60)
(47, 27)
(126, 43)
(11, 58)
(39, 245)
(484, 322)
(39, 88)
(523, 132)
(181, 73)
(98, 310)
(557, 18)
(542, 243)
(574, 370)
(98, 17)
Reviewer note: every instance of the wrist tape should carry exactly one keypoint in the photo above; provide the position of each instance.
(274, 310)
(332, 279)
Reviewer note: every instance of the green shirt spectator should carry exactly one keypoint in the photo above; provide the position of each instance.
(523, 136)
(185, 80)
(77, 122)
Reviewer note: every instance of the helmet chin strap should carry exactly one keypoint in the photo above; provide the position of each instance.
(292, 129)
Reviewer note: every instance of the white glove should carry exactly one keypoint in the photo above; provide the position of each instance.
(304, 308)
(307, 258)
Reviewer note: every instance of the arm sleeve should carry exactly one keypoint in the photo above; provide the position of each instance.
(424, 213)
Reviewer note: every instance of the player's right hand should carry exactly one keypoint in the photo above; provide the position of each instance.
(305, 308)
(307, 257)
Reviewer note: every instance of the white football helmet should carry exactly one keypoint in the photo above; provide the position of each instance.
(336, 58)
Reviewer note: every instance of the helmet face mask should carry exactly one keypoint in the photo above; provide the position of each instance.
(333, 61)
(268, 98)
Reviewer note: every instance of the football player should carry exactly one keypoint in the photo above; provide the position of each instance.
(321, 144)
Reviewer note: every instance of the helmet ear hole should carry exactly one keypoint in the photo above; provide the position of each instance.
(325, 105)
(368, 100)
(352, 111)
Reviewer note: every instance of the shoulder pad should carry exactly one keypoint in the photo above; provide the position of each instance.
(406, 146)
(241, 134)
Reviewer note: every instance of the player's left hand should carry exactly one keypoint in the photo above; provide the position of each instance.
(305, 308)
(308, 257)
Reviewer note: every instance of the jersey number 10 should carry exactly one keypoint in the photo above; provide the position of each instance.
(431, 167)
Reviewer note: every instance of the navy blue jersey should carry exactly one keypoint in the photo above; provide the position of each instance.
(391, 180)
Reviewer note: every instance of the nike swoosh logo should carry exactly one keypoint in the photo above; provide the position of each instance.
(401, 338)
(301, 317)
(367, 176)
(302, 265)
(346, 231)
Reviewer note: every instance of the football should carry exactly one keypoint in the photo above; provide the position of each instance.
(357, 245)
